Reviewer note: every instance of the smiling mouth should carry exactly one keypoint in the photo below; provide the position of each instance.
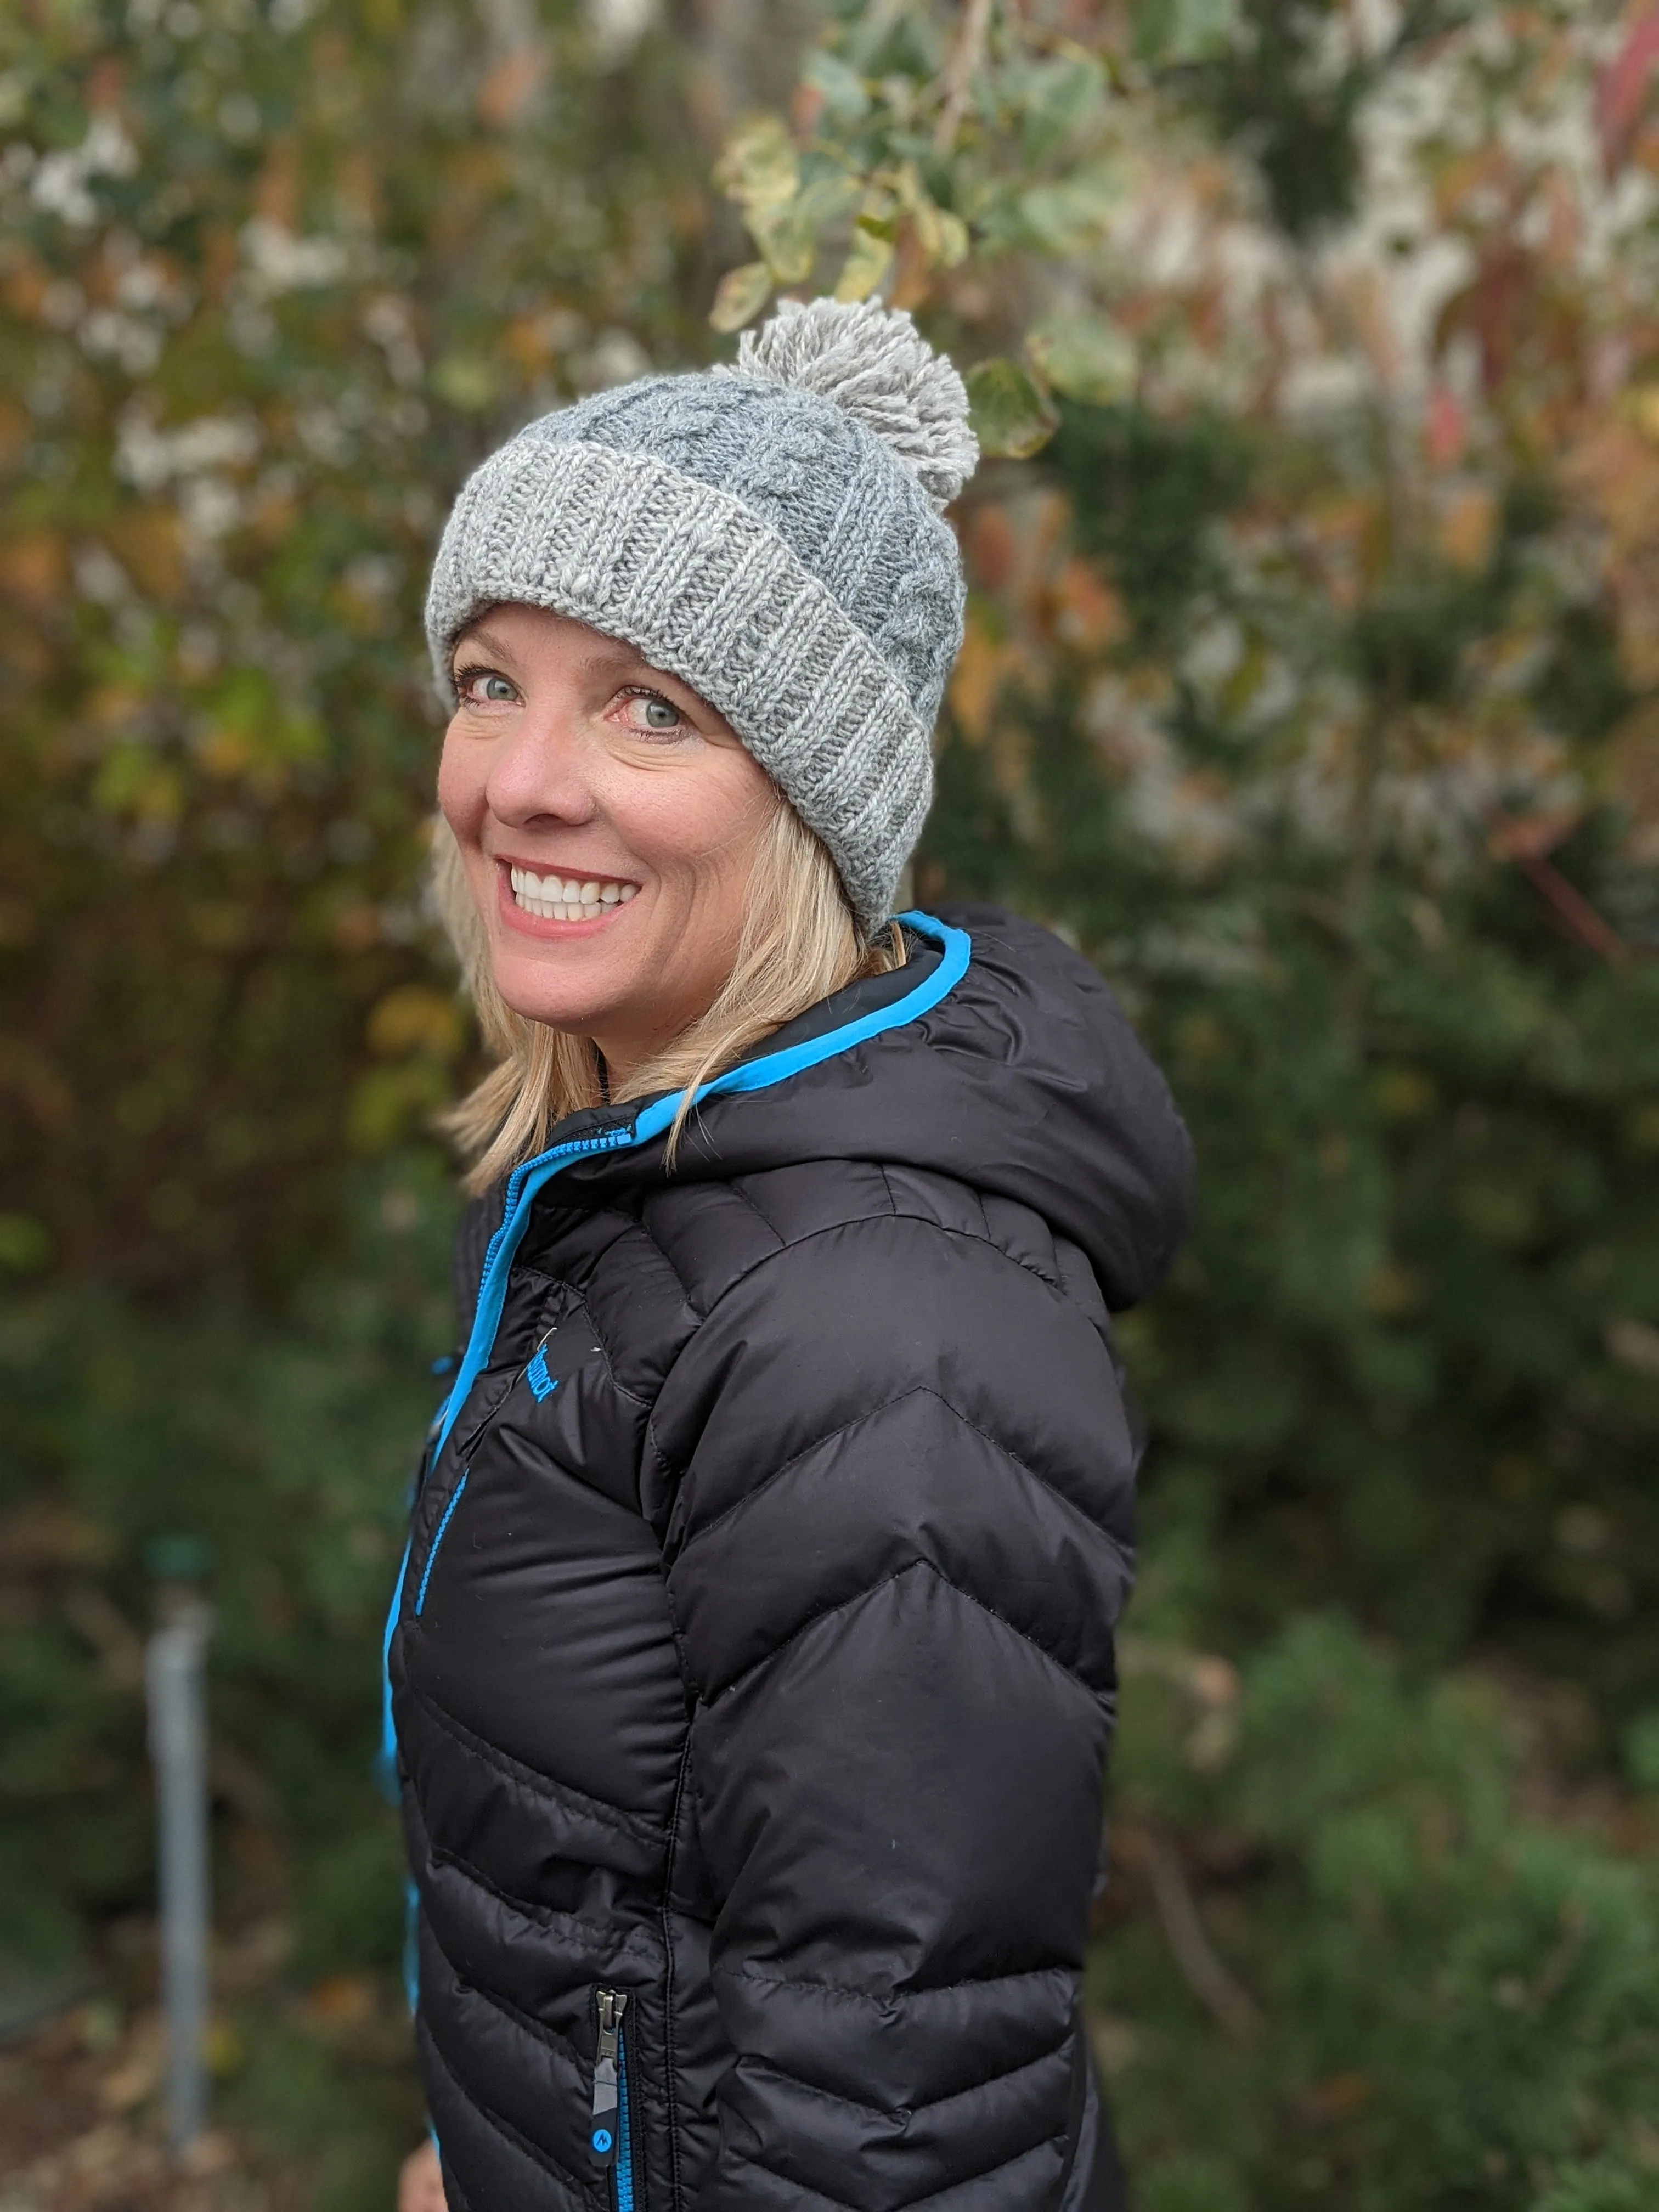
(567, 898)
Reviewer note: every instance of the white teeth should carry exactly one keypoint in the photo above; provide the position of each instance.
(566, 898)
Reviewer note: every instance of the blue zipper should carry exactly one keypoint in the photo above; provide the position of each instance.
(624, 2131)
(611, 2132)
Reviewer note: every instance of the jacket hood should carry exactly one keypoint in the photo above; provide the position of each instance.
(996, 1056)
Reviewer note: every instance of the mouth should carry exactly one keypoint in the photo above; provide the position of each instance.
(566, 898)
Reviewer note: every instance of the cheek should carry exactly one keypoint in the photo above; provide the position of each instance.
(705, 827)
(462, 769)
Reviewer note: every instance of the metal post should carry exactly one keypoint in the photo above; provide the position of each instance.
(174, 1674)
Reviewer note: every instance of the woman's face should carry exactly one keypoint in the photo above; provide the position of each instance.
(609, 819)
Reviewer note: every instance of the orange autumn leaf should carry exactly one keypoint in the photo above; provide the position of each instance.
(508, 88)
(1088, 614)
(35, 568)
(1468, 527)
(985, 667)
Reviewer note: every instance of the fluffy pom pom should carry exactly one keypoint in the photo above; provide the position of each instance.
(873, 361)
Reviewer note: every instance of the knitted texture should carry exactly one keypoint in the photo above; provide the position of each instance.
(876, 364)
(772, 535)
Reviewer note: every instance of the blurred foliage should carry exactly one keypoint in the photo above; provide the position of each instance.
(270, 281)
(1454, 2002)
(1406, 1357)
(288, 1450)
(1311, 683)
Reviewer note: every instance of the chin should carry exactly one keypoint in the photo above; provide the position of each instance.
(537, 990)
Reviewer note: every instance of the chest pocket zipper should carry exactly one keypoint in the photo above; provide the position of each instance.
(610, 2135)
(542, 1385)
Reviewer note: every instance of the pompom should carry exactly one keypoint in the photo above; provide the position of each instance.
(874, 362)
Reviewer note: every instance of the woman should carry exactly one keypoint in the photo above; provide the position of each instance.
(750, 1675)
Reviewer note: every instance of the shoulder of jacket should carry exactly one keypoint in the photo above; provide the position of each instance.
(895, 1226)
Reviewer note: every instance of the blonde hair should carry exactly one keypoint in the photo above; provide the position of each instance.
(800, 944)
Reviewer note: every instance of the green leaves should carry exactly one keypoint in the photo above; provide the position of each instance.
(1066, 218)
(797, 234)
(1022, 168)
(1508, 1966)
(868, 258)
(1012, 416)
(758, 167)
(760, 170)
(788, 212)
(1173, 32)
(1085, 357)
(1001, 142)
(1060, 97)
(941, 234)
(741, 295)
(842, 90)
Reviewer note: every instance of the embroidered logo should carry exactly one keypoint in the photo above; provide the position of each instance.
(536, 1375)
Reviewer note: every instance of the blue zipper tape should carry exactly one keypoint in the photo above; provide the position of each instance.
(432, 1556)
(625, 2165)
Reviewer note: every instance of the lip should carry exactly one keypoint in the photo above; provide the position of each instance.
(514, 918)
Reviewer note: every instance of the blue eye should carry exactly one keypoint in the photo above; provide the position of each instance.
(483, 687)
(648, 712)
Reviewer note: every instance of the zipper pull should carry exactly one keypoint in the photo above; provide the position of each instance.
(602, 2137)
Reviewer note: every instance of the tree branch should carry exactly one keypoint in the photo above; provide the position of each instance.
(1229, 2003)
(966, 56)
(1579, 916)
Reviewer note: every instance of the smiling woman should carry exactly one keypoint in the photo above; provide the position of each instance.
(749, 1676)
(633, 899)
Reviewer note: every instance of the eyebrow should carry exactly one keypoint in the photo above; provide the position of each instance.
(624, 660)
(487, 641)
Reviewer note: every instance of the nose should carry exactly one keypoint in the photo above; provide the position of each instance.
(540, 775)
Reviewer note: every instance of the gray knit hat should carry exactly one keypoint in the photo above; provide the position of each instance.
(772, 533)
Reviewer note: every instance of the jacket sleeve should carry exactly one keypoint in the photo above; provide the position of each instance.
(898, 1541)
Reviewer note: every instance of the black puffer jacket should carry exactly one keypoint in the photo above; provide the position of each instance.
(751, 1671)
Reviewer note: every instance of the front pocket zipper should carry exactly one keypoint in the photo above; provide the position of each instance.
(610, 2136)
(432, 1556)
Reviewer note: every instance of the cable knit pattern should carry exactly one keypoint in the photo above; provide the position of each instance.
(762, 542)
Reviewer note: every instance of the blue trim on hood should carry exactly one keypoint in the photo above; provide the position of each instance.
(527, 1180)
